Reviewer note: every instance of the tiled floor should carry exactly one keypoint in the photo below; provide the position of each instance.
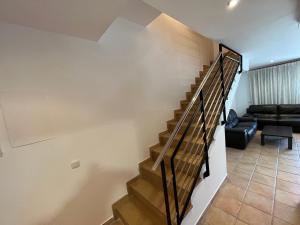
(262, 188)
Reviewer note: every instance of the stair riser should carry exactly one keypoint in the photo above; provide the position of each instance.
(188, 168)
(163, 140)
(172, 126)
(157, 181)
(184, 104)
(178, 114)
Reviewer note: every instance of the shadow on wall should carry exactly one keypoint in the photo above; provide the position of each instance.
(86, 208)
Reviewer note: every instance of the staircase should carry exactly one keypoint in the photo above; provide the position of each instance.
(160, 194)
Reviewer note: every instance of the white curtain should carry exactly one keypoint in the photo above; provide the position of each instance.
(276, 85)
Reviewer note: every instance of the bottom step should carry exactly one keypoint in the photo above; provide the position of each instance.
(133, 212)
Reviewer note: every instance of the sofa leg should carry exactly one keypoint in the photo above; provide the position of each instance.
(262, 139)
(290, 140)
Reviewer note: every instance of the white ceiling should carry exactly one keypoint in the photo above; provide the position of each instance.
(87, 19)
(263, 30)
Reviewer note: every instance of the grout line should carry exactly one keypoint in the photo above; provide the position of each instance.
(247, 188)
(275, 185)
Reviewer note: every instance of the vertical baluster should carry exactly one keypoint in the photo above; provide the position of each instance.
(175, 188)
(165, 187)
(223, 85)
(207, 172)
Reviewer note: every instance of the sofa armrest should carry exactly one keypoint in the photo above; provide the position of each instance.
(236, 130)
(247, 119)
(236, 137)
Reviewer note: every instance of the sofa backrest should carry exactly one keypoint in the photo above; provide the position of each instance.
(289, 109)
(263, 109)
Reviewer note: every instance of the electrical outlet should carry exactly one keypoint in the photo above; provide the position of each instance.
(75, 164)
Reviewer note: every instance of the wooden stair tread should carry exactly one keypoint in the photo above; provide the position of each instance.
(157, 149)
(117, 222)
(132, 212)
(153, 197)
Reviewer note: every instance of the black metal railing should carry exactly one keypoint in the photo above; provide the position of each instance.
(190, 140)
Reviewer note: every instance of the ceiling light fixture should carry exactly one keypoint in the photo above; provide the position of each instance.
(232, 3)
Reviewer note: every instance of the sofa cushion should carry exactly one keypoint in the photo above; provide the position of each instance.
(289, 109)
(286, 116)
(232, 119)
(289, 122)
(265, 116)
(262, 109)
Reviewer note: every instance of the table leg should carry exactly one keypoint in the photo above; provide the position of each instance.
(262, 139)
(291, 143)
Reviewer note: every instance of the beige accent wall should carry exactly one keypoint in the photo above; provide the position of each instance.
(65, 99)
(86, 19)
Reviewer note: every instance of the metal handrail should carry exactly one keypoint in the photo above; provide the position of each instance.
(183, 117)
(197, 137)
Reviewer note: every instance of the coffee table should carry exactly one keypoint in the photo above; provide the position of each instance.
(278, 131)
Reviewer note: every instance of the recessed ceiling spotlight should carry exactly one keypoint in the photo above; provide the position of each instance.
(232, 3)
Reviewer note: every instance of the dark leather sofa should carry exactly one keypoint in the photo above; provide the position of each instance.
(239, 130)
(276, 115)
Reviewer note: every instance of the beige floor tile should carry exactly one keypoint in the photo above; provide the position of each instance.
(246, 167)
(289, 162)
(289, 152)
(265, 171)
(238, 222)
(230, 167)
(232, 191)
(254, 216)
(241, 173)
(242, 170)
(277, 221)
(288, 186)
(269, 152)
(289, 169)
(253, 149)
(263, 179)
(290, 157)
(217, 216)
(289, 177)
(262, 189)
(268, 164)
(237, 180)
(251, 154)
(227, 204)
(287, 198)
(248, 159)
(287, 213)
(259, 202)
(268, 158)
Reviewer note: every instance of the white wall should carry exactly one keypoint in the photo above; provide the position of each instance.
(102, 103)
(242, 98)
(206, 190)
